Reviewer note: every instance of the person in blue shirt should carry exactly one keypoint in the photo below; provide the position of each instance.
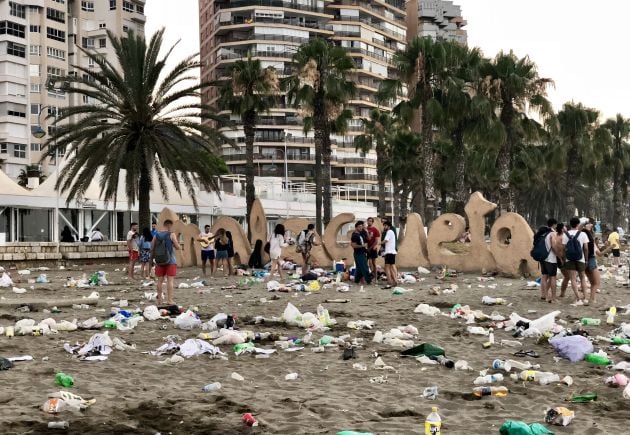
(154, 229)
(359, 242)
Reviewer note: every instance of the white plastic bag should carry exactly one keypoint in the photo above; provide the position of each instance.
(187, 320)
(5, 280)
(273, 286)
(292, 315)
(151, 312)
(427, 310)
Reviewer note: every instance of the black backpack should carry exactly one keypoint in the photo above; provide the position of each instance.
(539, 250)
(160, 251)
(574, 247)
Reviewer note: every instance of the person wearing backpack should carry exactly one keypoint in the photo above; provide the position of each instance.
(305, 242)
(544, 251)
(163, 248)
(576, 252)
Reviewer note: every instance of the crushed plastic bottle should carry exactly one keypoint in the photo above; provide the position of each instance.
(488, 379)
(215, 386)
(488, 300)
(490, 391)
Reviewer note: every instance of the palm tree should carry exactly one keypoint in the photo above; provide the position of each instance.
(249, 91)
(320, 89)
(619, 128)
(517, 89)
(402, 161)
(378, 129)
(135, 122)
(584, 143)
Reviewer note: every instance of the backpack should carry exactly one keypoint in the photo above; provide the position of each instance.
(160, 251)
(574, 248)
(539, 251)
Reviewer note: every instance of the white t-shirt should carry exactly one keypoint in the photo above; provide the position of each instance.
(130, 235)
(582, 238)
(276, 243)
(390, 242)
(551, 258)
(211, 245)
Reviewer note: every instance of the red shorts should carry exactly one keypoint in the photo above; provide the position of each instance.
(166, 270)
(133, 255)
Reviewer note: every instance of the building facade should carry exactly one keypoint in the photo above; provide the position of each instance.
(39, 42)
(438, 19)
(272, 30)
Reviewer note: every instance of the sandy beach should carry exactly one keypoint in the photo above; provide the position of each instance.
(136, 394)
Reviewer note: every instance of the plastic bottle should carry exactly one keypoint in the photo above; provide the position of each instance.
(58, 425)
(433, 423)
(583, 398)
(487, 300)
(488, 379)
(490, 391)
(491, 336)
(590, 321)
(110, 324)
(444, 361)
(477, 330)
(546, 378)
(215, 386)
(237, 377)
(64, 380)
(291, 377)
(326, 339)
(597, 359)
(499, 364)
(618, 379)
(610, 315)
(620, 340)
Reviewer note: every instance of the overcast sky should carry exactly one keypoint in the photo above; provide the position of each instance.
(581, 44)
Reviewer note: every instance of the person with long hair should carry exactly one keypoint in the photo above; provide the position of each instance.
(145, 253)
(221, 244)
(231, 252)
(276, 243)
(561, 229)
(592, 272)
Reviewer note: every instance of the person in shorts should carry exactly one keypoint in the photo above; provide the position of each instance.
(614, 241)
(592, 272)
(549, 267)
(221, 245)
(169, 269)
(132, 250)
(207, 253)
(389, 244)
(578, 267)
(374, 244)
(145, 253)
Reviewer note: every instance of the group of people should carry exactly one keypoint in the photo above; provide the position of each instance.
(217, 251)
(67, 236)
(369, 244)
(573, 251)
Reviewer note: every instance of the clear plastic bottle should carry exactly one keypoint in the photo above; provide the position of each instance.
(488, 379)
(490, 391)
(215, 386)
(610, 315)
(433, 423)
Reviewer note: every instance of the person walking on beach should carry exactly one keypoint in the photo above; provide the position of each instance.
(206, 238)
(221, 245)
(145, 253)
(359, 242)
(305, 242)
(548, 266)
(163, 249)
(276, 243)
(576, 252)
(592, 272)
(561, 229)
(389, 243)
(231, 253)
(374, 244)
(615, 245)
(132, 250)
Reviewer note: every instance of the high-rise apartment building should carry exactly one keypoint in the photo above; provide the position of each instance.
(39, 42)
(438, 19)
(272, 30)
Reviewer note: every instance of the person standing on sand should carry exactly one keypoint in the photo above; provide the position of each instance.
(577, 267)
(615, 245)
(145, 253)
(549, 266)
(592, 272)
(221, 245)
(560, 231)
(306, 241)
(132, 250)
(359, 242)
(168, 269)
(389, 242)
(374, 244)
(207, 253)
(276, 243)
(231, 253)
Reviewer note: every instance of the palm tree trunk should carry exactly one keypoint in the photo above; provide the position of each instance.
(572, 175)
(319, 124)
(249, 126)
(428, 170)
(380, 173)
(617, 196)
(396, 191)
(326, 178)
(460, 171)
(144, 198)
(506, 197)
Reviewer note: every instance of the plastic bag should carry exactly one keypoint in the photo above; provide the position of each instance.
(409, 279)
(273, 286)
(427, 310)
(292, 315)
(5, 280)
(313, 286)
(512, 427)
(24, 326)
(187, 320)
(151, 312)
(573, 347)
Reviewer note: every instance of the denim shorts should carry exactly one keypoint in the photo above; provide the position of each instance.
(592, 263)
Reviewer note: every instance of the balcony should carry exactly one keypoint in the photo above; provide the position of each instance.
(278, 158)
(372, 54)
(353, 177)
(378, 11)
(260, 37)
(255, 53)
(270, 3)
(281, 21)
(357, 161)
(382, 28)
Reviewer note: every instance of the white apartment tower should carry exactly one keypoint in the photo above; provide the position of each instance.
(39, 42)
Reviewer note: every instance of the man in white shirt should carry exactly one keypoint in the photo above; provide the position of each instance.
(389, 243)
(576, 267)
(207, 253)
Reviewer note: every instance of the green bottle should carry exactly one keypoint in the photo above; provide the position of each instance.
(583, 398)
(620, 340)
(64, 380)
(597, 359)
(242, 347)
(326, 339)
(110, 324)
(590, 321)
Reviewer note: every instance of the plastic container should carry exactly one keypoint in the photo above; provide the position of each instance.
(620, 340)
(291, 377)
(597, 359)
(610, 315)
(58, 425)
(490, 391)
(488, 379)
(215, 386)
(433, 423)
(590, 321)
(64, 380)
(488, 300)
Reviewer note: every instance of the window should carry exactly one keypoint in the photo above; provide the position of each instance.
(19, 151)
(34, 29)
(91, 62)
(87, 6)
(14, 49)
(54, 111)
(87, 42)
(17, 10)
(54, 72)
(56, 15)
(125, 29)
(3, 148)
(35, 109)
(36, 146)
(102, 25)
(56, 34)
(55, 53)
(14, 109)
(102, 43)
(35, 50)
(112, 5)
(140, 9)
(61, 2)
(127, 6)
(36, 87)
(11, 28)
(86, 99)
(16, 90)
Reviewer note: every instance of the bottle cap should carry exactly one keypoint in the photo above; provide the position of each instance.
(434, 409)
